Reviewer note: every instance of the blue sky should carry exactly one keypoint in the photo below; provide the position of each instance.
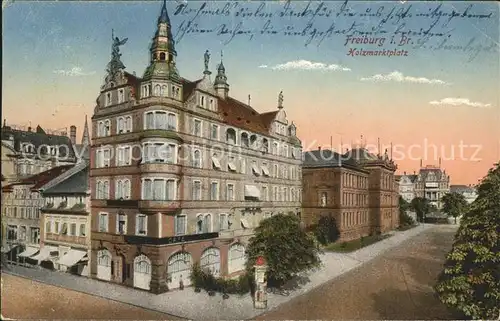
(59, 51)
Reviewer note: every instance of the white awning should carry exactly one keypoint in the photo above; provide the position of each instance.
(72, 257)
(265, 170)
(29, 251)
(216, 162)
(244, 223)
(231, 166)
(255, 169)
(45, 253)
(252, 191)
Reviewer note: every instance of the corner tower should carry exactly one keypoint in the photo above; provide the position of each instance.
(162, 50)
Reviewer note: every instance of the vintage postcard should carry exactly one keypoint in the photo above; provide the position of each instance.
(236, 160)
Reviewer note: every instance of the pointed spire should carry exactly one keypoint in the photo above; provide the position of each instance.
(164, 18)
(85, 135)
(220, 84)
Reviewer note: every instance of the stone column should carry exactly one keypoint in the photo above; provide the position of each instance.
(158, 279)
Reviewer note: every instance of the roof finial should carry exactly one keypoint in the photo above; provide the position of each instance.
(86, 135)
(280, 100)
(221, 56)
(249, 99)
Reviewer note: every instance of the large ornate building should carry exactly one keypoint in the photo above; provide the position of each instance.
(358, 189)
(181, 172)
(432, 183)
(407, 186)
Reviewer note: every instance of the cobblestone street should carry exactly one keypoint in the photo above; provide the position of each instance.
(396, 285)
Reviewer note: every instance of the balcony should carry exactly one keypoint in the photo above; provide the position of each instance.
(162, 133)
(160, 168)
(135, 239)
(159, 205)
(122, 203)
(228, 234)
(80, 240)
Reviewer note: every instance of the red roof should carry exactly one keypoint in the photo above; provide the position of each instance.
(40, 179)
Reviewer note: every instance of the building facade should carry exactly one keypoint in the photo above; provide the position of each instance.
(181, 172)
(407, 186)
(469, 192)
(359, 189)
(432, 183)
(21, 204)
(65, 222)
(32, 151)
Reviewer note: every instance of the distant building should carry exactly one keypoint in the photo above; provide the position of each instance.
(407, 186)
(468, 191)
(65, 221)
(29, 152)
(358, 188)
(432, 183)
(21, 204)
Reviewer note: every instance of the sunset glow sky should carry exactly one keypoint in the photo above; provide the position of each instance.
(55, 56)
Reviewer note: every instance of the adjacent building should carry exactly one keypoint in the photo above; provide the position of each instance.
(407, 186)
(181, 172)
(358, 188)
(469, 192)
(21, 204)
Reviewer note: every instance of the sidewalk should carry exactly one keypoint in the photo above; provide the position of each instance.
(199, 306)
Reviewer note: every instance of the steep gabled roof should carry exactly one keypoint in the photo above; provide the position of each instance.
(78, 183)
(40, 179)
(327, 158)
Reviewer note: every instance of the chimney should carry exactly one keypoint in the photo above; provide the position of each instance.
(404, 173)
(319, 147)
(414, 172)
(72, 134)
(29, 129)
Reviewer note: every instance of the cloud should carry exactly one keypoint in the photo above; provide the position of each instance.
(73, 72)
(306, 65)
(458, 102)
(399, 77)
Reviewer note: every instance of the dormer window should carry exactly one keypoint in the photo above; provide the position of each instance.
(244, 140)
(121, 96)
(108, 99)
(231, 136)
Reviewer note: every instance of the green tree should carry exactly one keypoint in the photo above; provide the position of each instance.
(454, 204)
(404, 218)
(286, 247)
(326, 230)
(421, 206)
(470, 281)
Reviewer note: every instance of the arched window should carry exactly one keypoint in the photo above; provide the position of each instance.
(164, 91)
(142, 272)
(244, 140)
(231, 136)
(179, 270)
(104, 260)
(157, 91)
(207, 223)
(210, 261)
(162, 56)
(236, 258)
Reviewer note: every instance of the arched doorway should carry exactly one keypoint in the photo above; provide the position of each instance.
(236, 258)
(210, 260)
(104, 265)
(142, 272)
(179, 268)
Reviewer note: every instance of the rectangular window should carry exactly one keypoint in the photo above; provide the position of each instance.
(196, 190)
(180, 225)
(214, 132)
(56, 227)
(72, 229)
(141, 226)
(34, 235)
(103, 222)
(197, 127)
(172, 121)
(264, 193)
(230, 192)
(83, 232)
(121, 226)
(223, 222)
(121, 96)
(214, 191)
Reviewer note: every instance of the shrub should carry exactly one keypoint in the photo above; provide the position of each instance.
(326, 230)
(207, 281)
(405, 219)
